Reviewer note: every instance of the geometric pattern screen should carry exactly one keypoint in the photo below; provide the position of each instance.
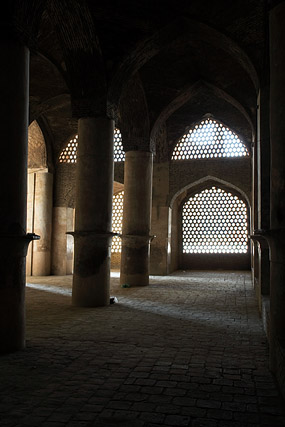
(117, 220)
(69, 153)
(209, 139)
(119, 154)
(214, 221)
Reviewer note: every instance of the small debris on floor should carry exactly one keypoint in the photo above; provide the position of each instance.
(125, 285)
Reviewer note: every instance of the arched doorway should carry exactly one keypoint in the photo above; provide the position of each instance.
(39, 204)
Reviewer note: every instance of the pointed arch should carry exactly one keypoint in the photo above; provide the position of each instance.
(191, 92)
(182, 29)
(209, 138)
(37, 153)
(206, 182)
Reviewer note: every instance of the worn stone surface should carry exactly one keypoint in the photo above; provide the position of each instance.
(188, 350)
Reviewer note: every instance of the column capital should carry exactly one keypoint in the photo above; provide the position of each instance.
(13, 245)
(92, 107)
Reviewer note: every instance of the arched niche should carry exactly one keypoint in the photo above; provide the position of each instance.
(204, 260)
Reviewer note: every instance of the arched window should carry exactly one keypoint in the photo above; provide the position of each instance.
(214, 221)
(209, 139)
(117, 218)
(68, 155)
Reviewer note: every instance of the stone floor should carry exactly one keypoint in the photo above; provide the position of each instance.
(189, 350)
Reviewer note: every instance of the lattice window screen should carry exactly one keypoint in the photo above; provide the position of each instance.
(68, 155)
(209, 139)
(117, 219)
(214, 221)
(119, 154)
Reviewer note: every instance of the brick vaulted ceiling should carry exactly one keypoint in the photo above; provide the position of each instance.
(191, 57)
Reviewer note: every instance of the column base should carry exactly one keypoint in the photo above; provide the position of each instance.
(13, 251)
(135, 260)
(132, 280)
(91, 278)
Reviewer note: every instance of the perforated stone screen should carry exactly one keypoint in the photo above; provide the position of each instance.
(117, 219)
(119, 154)
(214, 221)
(68, 155)
(209, 139)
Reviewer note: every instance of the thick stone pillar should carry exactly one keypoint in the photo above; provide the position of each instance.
(263, 170)
(69, 240)
(253, 225)
(41, 257)
(277, 200)
(62, 241)
(14, 88)
(93, 214)
(160, 218)
(136, 218)
(30, 219)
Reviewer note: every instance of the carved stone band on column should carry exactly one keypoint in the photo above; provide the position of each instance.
(259, 237)
(14, 245)
(134, 240)
(275, 239)
(92, 234)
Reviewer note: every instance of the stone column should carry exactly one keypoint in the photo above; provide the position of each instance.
(62, 241)
(254, 244)
(14, 88)
(263, 171)
(136, 218)
(160, 218)
(69, 240)
(277, 202)
(41, 257)
(59, 229)
(30, 219)
(93, 214)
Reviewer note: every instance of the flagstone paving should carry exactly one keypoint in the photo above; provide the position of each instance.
(188, 350)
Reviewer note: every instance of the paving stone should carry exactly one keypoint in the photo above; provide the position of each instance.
(234, 406)
(219, 414)
(152, 390)
(174, 391)
(168, 409)
(184, 401)
(208, 403)
(177, 420)
(201, 422)
(152, 417)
